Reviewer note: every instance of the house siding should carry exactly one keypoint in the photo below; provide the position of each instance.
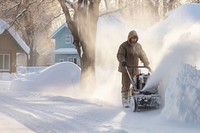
(9, 46)
(65, 57)
(60, 42)
(60, 39)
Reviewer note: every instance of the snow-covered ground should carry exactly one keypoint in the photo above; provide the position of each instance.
(51, 101)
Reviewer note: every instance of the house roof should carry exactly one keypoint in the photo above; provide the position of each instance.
(66, 51)
(5, 26)
(55, 32)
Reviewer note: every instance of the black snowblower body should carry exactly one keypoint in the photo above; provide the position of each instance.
(140, 99)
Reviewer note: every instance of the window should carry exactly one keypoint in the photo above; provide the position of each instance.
(71, 59)
(68, 39)
(75, 60)
(61, 60)
(4, 62)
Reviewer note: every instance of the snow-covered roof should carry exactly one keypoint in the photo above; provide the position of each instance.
(55, 32)
(66, 51)
(5, 26)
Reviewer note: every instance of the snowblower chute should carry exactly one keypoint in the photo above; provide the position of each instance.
(138, 98)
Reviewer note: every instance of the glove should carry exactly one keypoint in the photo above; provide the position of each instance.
(124, 63)
(148, 68)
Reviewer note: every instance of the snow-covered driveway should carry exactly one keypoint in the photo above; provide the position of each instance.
(58, 114)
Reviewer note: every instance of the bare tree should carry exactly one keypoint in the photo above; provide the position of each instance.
(30, 18)
(83, 25)
(194, 1)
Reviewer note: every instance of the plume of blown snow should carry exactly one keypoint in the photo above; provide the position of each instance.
(171, 45)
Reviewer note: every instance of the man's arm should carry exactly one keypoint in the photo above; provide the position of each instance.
(121, 54)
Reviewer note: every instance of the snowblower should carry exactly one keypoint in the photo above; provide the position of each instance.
(140, 99)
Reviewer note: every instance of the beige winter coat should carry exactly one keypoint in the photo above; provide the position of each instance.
(131, 53)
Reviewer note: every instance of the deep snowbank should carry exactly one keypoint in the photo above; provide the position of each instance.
(182, 97)
(173, 43)
(58, 76)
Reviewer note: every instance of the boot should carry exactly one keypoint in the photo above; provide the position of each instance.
(125, 100)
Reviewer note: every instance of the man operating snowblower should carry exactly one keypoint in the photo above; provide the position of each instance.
(129, 53)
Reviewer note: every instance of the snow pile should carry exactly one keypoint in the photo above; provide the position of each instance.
(182, 97)
(7, 76)
(60, 75)
(170, 45)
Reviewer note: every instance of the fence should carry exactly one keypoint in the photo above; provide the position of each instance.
(27, 70)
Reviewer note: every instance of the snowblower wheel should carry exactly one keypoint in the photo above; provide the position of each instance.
(133, 104)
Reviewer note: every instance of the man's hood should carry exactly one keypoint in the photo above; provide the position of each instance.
(132, 34)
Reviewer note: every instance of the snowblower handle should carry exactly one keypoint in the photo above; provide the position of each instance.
(147, 67)
(126, 67)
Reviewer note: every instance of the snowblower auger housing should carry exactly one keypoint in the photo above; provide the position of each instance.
(139, 99)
